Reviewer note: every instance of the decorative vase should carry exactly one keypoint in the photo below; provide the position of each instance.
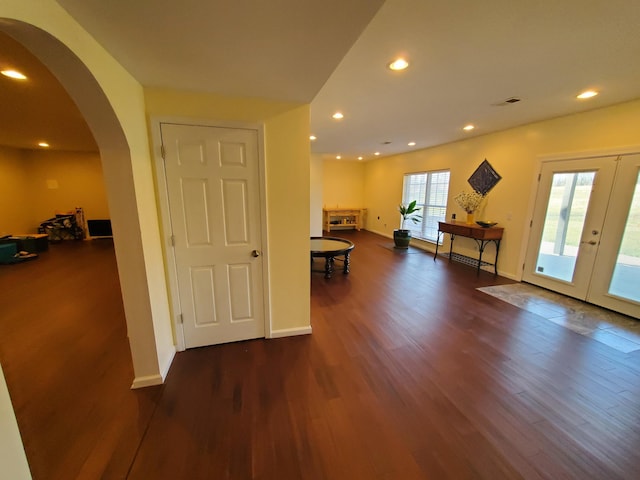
(470, 218)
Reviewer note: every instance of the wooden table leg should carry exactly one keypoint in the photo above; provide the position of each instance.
(346, 263)
(328, 267)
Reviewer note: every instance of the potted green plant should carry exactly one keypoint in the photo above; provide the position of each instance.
(402, 236)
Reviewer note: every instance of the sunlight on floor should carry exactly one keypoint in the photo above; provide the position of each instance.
(613, 329)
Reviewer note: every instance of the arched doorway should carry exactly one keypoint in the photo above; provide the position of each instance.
(148, 327)
(122, 141)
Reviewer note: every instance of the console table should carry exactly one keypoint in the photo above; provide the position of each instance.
(481, 235)
(343, 217)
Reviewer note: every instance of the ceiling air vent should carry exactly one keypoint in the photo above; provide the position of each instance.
(506, 102)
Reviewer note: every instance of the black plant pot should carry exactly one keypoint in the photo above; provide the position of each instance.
(401, 238)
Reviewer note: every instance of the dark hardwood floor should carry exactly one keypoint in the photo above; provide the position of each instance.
(66, 358)
(411, 373)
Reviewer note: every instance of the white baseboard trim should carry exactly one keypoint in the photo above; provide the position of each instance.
(290, 332)
(151, 380)
(382, 234)
(147, 381)
(165, 369)
(510, 276)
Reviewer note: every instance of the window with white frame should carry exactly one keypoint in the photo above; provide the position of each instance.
(430, 190)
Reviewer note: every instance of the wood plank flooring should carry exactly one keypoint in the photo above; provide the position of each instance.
(66, 358)
(411, 373)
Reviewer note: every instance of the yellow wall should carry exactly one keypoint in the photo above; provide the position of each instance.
(12, 456)
(286, 128)
(315, 195)
(79, 181)
(288, 176)
(343, 185)
(15, 208)
(515, 154)
(35, 185)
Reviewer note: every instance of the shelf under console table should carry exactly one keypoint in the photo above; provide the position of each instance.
(481, 235)
(343, 217)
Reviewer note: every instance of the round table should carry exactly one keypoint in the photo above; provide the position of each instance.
(330, 248)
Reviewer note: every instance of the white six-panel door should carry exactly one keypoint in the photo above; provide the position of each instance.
(213, 183)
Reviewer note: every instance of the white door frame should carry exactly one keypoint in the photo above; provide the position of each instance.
(604, 169)
(555, 157)
(165, 216)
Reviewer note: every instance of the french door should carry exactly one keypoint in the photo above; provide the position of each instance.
(585, 232)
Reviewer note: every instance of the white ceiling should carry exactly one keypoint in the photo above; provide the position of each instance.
(37, 109)
(465, 57)
(277, 49)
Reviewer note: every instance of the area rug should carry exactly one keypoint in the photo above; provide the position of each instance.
(613, 329)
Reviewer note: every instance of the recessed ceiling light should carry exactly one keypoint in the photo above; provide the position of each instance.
(13, 74)
(377, 153)
(411, 144)
(312, 137)
(359, 158)
(399, 64)
(338, 157)
(43, 144)
(469, 127)
(587, 94)
(338, 115)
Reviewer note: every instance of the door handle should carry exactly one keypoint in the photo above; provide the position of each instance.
(255, 253)
(590, 242)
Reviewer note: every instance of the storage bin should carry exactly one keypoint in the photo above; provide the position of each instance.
(32, 243)
(8, 251)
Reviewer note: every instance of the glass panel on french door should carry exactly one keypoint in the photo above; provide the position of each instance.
(563, 224)
(625, 281)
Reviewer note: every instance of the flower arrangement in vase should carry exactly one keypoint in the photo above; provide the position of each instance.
(469, 202)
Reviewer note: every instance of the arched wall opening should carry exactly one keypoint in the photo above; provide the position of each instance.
(131, 201)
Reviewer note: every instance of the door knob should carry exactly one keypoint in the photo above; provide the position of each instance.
(255, 253)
